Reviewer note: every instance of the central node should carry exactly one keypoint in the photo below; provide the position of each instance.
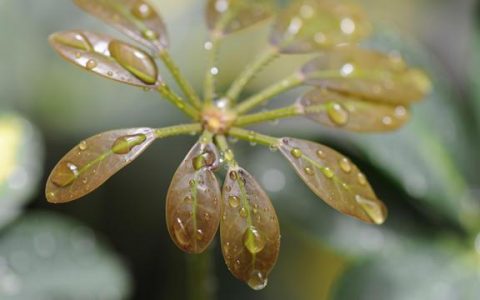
(217, 120)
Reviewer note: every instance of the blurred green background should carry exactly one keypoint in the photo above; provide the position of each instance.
(113, 244)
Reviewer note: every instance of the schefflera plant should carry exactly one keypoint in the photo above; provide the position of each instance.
(352, 89)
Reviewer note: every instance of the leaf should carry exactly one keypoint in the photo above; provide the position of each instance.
(249, 229)
(136, 18)
(94, 161)
(335, 179)
(107, 57)
(311, 25)
(351, 113)
(228, 16)
(193, 200)
(368, 74)
(46, 256)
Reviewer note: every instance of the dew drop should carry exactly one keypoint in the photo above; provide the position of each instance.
(233, 175)
(192, 183)
(243, 212)
(257, 280)
(387, 121)
(361, 179)
(143, 10)
(309, 170)
(208, 46)
(374, 210)
(253, 241)
(347, 26)
(337, 114)
(295, 26)
(65, 174)
(199, 234)
(320, 38)
(150, 34)
(188, 199)
(321, 154)
(214, 71)
(228, 189)
(91, 64)
(345, 165)
(83, 146)
(75, 40)
(221, 6)
(125, 144)
(206, 216)
(328, 172)
(110, 73)
(206, 159)
(347, 69)
(180, 233)
(233, 201)
(400, 112)
(297, 153)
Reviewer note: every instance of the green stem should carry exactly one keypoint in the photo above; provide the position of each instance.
(249, 72)
(252, 136)
(180, 79)
(209, 83)
(177, 130)
(200, 285)
(284, 85)
(281, 113)
(167, 93)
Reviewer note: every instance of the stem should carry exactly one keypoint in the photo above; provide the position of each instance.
(177, 130)
(209, 83)
(180, 79)
(252, 136)
(286, 112)
(200, 282)
(284, 85)
(249, 72)
(178, 102)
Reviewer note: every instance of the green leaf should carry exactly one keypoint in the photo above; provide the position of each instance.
(352, 113)
(193, 200)
(93, 161)
(310, 25)
(249, 229)
(107, 57)
(333, 178)
(136, 18)
(45, 256)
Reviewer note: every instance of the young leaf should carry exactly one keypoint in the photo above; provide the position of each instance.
(249, 229)
(193, 200)
(311, 25)
(368, 74)
(351, 113)
(107, 57)
(335, 179)
(93, 161)
(136, 18)
(227, 16)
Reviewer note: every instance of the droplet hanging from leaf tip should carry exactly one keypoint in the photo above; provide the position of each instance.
(375, 211)
(257, 280)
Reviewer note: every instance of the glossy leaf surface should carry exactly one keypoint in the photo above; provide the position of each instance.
(335, 179)
(136, 18)
(93, 161)
(350, 113)
(107, 57)
(249, 229)
(310, 25)
(227, 16)
(368, 74)
(193, 200)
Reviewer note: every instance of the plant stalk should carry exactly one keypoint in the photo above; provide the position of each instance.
(200, 280)
(189, 110)
(272, 115)
(161, 133)
(253, 137)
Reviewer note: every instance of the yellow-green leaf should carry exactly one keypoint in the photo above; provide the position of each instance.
(136, 18)
(193, 200)
(312, 25)
(335, 179)
(351, 113)
(93, 161)
(249, 229)
(368, 74)
(107, 57)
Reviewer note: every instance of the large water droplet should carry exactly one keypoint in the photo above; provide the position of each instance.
(65, 174)
(345, 165)
(233, 175)
(143, 10)
(257, 280)
(297, 153)
(91, 64)
(253, 240)
(328, 172)
(206, 159)
(233, 201)
(374, 210)
(337, 114)
(136, 61)
(125, 144)
(73, 39)
(361, 179)
(243, 212)
(180, 233)
(83, 146)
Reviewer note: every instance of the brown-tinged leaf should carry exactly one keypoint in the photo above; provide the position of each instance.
(350, 113)
(93, 161)
(312, 25)
(193, 200)
(335, 179)
(249, 229)
(227, 16)
(107, 57)
(136, 18)
(368, 74)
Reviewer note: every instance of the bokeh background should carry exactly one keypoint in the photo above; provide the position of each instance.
(113, 244)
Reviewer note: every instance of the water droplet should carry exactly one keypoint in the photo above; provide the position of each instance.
(143, 10)
(257, 280)
(321, 154)
(65, 174)
(253, 241)
(192, 183)
(306, 11)
(110, 73)
(188, 199)
(233, 175)
(295, 26)
(297, 153)
(208, 45)
(206, 159)
(387, 121)
(206, 216)
(400, 112)
(309, 170)
(180, 233)
(337, 114)
(243, 212)
(361, 179)
(214, 71)
(83, 146)
(150, 34)
(228, 188)
(221, 6)
(320, 38)
(125, 144)
(347, 26)
(374, 210)
(91, 64)
(347, 69)
(345, 165)
(199, 234)
(328, 172)
(73, 39)
(233, 201)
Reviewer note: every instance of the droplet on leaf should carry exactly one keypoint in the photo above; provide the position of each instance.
(125, 144)
(253, 240)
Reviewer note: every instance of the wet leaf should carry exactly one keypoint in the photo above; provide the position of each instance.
(249, 229)
(94, 161)
(368, 74)
(107, 57)
(310, 25)
(193, 200)
(348, 112)
(136, 18)
(227, 16)
(335, 179)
